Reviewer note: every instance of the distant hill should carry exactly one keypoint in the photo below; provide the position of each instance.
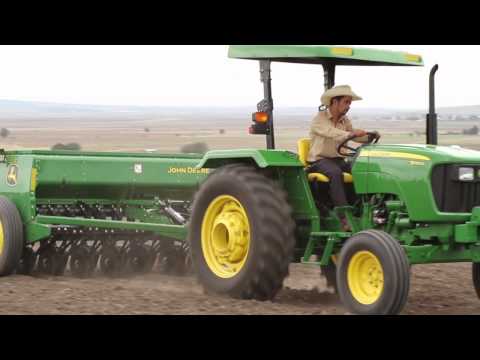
(16, 109)
(460, 110)
(34, 106)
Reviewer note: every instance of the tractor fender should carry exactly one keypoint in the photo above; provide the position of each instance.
(260, 158)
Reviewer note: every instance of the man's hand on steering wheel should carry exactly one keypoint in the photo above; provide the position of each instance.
(373, 138)
(358, 133)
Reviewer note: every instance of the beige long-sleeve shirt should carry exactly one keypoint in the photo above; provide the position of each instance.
(325, 136)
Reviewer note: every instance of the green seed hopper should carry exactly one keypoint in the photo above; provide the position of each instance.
(87, 204)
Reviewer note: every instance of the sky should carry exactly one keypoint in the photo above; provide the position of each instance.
(203, 75)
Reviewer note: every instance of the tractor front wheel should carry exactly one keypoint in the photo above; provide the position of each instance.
(373, 274)
(241, 234)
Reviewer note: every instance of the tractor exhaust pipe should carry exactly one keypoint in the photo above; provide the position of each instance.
(432, 116)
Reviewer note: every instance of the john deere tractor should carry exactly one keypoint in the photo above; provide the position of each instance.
(260, 210)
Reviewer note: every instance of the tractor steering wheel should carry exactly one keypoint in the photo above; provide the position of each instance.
(373, 138)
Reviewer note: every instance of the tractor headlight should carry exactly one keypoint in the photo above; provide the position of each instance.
(466, 174)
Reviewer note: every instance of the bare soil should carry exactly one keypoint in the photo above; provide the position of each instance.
(435, 289)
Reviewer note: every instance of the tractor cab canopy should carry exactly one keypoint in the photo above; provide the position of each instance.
(328, 56)
(325, 55)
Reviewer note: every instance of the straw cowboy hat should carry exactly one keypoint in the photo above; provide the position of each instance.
(340, 90)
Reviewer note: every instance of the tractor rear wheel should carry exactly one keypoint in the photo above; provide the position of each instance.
(11, 236)
(476, 277)
(373, 274)
(241, 234)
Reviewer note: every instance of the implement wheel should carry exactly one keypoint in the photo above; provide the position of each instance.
(27, 262)
(330, 273)
(11, 236)
(94, 256)
(373, 276)
(61, 262)
(241, 234)
(81, 262)
(111, 262)
(138, 259)
(476, 277)
(179, 262)
(48, 261)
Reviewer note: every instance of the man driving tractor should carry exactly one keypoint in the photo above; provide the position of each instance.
(328, 130)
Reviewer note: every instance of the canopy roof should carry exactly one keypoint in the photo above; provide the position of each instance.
(322, 54)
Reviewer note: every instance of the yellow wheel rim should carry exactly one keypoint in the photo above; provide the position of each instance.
(225, 236)
(2, 241)
(365, 277)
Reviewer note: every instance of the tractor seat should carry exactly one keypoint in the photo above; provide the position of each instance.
(303, 149)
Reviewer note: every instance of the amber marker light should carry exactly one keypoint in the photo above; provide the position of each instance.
(261, 117)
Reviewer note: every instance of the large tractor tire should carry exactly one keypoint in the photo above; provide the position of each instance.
(476, 277)
(373, 276)
(241, 234)
(11, 236)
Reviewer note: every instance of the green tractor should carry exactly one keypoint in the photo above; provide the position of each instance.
(239, 218)
(259, 210)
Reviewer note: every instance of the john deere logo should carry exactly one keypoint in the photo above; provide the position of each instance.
(12, 175)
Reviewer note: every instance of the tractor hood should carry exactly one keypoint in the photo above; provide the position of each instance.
(432, 153)
(425, 177)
